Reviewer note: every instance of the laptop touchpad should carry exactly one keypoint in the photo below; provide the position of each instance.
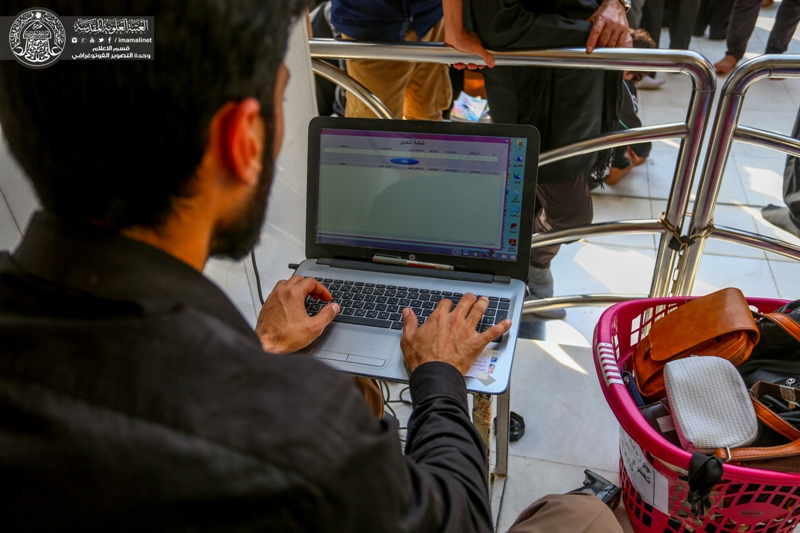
(357, 344)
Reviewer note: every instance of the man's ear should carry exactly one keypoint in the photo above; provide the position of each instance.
(240, 130)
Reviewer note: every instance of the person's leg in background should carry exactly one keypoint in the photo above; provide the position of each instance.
(715, 15)
(564, 205)
(385, 79)
(429, 91)
(788, 217)
(720, 19)
(682, 17)
(786, 20)
(652, 19)
(635, 14)
(567, 513)
(743, 22)
(703, 17)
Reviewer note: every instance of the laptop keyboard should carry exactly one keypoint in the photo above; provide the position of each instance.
(376, 305)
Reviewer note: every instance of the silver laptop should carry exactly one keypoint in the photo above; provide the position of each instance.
(406, 213)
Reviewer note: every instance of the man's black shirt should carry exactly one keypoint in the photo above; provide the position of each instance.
(134, 396)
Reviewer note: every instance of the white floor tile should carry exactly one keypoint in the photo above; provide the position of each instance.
(634, 184)
(583, 320)
(738, 217)
(752, 276)
(612, 208)
(556, 390)
(660, 173)
(786, 278)
(762, 179)
(583, 268)
(732, 190)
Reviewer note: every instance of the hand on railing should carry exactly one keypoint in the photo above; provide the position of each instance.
(470, 43)
(458, 37)
(609, 27)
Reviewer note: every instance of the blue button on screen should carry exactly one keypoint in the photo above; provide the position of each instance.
(404, 161)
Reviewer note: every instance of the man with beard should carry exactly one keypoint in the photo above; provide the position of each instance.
(133, 395)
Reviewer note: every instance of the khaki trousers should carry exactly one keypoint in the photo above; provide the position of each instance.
(567, 513)
(372, 394)
(415, 91)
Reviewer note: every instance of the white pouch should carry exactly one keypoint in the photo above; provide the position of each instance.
(710, 404)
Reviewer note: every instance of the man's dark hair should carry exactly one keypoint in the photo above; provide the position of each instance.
(641, 39)
(117, 142)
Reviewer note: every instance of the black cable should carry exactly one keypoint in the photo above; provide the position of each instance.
(387, 399)
(258, 278)
(407, 402)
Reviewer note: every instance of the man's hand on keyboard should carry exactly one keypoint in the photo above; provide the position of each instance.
(449, 334)
(283, 324)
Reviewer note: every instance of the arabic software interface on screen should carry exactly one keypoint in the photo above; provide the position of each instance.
(458, 195)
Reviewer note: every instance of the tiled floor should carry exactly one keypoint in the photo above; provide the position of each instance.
(569, 427)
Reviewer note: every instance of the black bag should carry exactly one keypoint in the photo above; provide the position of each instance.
(776, 358)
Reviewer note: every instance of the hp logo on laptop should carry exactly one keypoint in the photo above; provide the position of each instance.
(412, 257)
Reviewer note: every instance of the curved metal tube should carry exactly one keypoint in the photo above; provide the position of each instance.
(630, 227)
(617, 138)
(582, 300)
(331, 73)
(690, 63)
(723, 132)
(767, 139)
(755, 240)
(698, 68)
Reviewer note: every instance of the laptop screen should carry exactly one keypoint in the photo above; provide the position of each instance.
(448, 194)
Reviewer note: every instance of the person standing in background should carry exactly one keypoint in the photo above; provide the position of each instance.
(418, 91)
(743, 22)
(566, 105)
(788, 217)
(682, 15)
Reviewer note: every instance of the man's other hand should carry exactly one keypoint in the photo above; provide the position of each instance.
(283, 324)
(609, 27)
(449, 334)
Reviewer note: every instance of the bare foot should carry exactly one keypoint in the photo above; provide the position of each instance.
(725, 65)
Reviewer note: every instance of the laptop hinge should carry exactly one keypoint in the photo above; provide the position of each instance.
(411, 271)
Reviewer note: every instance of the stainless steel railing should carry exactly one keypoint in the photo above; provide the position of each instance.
(691, 131)
(724, 131)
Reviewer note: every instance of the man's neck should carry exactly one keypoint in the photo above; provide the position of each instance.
(179, 238)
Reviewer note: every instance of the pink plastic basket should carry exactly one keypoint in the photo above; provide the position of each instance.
(654, 472)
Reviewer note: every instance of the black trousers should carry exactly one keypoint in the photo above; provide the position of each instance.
(565, 105)
(743, 22)
(791, 178)
(562, 205)
(682, 14)
(715, 15)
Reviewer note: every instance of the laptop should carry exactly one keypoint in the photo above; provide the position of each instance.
(406, 213)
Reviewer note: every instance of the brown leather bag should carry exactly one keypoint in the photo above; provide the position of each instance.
(783, 458)
(719, 324)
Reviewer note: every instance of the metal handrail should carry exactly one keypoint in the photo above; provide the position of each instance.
(724, 131)
(691, 64)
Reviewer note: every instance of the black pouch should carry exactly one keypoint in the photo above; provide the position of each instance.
(659, 416)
